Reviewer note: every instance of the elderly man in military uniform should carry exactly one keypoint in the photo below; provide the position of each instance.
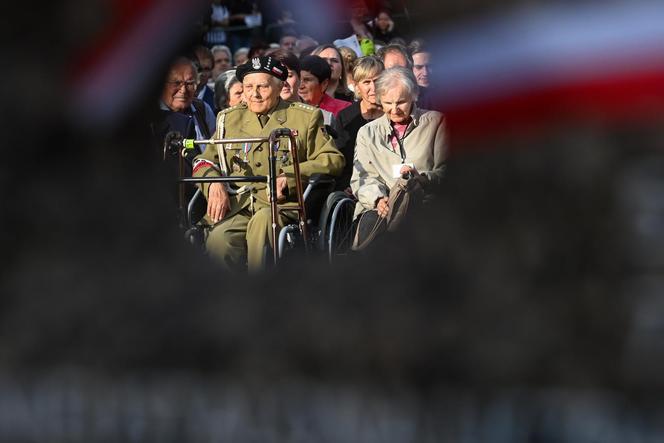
(239, 214)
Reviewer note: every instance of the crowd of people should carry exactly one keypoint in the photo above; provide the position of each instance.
(361, 114)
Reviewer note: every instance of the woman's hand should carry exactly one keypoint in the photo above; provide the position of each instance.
(383, 207)
(407, 169)
(218, 202)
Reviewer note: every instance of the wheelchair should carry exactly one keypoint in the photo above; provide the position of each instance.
(330, 220)
(330, 223)
(327, 228)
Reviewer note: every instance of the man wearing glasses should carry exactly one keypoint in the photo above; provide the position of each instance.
(179, 95)
(182, 112)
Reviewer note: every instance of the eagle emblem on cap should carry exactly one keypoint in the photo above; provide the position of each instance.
(256, 63)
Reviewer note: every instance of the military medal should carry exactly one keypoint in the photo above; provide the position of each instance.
(246, 148)
(236, 161)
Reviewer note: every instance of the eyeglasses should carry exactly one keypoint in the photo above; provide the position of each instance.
(177, 84)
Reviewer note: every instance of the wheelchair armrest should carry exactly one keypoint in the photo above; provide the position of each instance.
(190, 207)
(323, 179)
(317, 181)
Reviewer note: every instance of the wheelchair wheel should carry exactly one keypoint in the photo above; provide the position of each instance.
(322, 240)
(340, 231)
(290, 239)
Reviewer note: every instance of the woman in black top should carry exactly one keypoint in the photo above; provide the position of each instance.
(350, 120)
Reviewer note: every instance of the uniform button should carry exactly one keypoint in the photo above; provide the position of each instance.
(259, 149)
(258, 164)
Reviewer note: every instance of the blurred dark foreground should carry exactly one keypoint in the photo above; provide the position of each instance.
(523, 305)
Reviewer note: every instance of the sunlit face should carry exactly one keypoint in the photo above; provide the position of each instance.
(397, 103)
(291, 85)
(288, 42)
(421, 68)
(383, 21)
(235, 94)
(311, 90)
(366, 88)
(222, 63)
(394, 58)
(260, 92)
(180, 87)
(331, 56)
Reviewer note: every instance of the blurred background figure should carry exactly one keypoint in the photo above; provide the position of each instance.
(348, 58)
(217, 20)
(241, 56)
(205, 63)
(382, 28)
(305, 44)
(336, 87)
(288, 41)
(359, 15)
(227, 90)
(284, 25)
(223, 61)
(395, 55)
(258, 49)
(244, 22)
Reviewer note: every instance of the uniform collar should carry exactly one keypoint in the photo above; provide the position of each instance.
(251, 126)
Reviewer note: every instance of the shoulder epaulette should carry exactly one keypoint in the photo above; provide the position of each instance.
(233, 108)
(303, 106)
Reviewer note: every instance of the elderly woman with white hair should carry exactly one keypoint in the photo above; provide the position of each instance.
(404, 150)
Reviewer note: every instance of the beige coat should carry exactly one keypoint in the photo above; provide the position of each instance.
(375, 160)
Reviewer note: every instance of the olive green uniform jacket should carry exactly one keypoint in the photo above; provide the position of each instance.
(317, 152)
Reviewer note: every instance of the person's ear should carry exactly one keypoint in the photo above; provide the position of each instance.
(324, 84)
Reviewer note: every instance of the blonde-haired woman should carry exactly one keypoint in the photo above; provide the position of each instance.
(348, 58)
(361, 112)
